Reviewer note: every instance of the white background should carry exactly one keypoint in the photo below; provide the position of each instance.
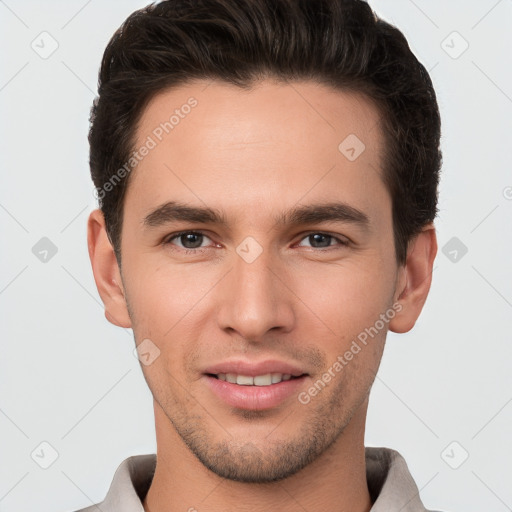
(70, 378)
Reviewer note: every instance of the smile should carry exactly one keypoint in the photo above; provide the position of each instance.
(259, 380)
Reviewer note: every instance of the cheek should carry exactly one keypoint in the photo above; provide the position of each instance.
(164, 296)
(344, 298)
(172, 306)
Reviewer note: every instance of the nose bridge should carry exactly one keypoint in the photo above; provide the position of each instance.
(255, 300)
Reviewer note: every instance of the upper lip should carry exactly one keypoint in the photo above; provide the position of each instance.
(252, 369)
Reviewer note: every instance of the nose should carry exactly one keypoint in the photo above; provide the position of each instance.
(256, 299)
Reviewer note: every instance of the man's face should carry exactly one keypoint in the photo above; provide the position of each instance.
(264, 291)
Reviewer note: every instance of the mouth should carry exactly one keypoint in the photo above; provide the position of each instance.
(255, 387)
(267, 379)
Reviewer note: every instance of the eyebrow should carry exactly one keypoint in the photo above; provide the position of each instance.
(324, 212)
(172, 211)
(175, 211)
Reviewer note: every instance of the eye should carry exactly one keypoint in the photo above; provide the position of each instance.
(187, 240)
(323, 240)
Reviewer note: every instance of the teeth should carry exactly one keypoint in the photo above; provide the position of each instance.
(243, 380)
(263, 380)
(276, 377)
(259, 380)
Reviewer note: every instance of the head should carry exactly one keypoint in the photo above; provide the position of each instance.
(295, 147)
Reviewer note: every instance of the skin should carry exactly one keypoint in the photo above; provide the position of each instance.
(253, 155)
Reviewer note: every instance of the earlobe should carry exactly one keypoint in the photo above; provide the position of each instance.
(106, 271)
(415, 279)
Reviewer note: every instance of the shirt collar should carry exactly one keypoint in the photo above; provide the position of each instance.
(390, 483)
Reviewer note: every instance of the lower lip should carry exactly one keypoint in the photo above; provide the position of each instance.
(255, 398)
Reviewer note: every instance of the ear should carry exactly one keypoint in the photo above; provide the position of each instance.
(414, 279)
(106, 271)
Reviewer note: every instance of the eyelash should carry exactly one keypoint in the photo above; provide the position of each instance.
(169, 239)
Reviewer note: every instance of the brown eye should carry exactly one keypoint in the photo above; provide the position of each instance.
(187, 240)
(323, 240)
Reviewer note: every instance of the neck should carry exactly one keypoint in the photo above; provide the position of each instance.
(335, 481)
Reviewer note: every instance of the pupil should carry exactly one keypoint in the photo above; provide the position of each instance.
(193, 238)
(317, 237)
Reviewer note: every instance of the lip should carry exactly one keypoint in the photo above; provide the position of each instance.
(254, 398)
(252, 369)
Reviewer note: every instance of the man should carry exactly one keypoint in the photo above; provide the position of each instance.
(267, 173)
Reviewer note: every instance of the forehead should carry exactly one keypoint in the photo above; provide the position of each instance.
(270, 146)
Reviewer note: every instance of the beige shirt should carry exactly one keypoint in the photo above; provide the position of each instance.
(391, 486)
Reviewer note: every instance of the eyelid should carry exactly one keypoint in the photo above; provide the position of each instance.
(168, 239)
(343, 240)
